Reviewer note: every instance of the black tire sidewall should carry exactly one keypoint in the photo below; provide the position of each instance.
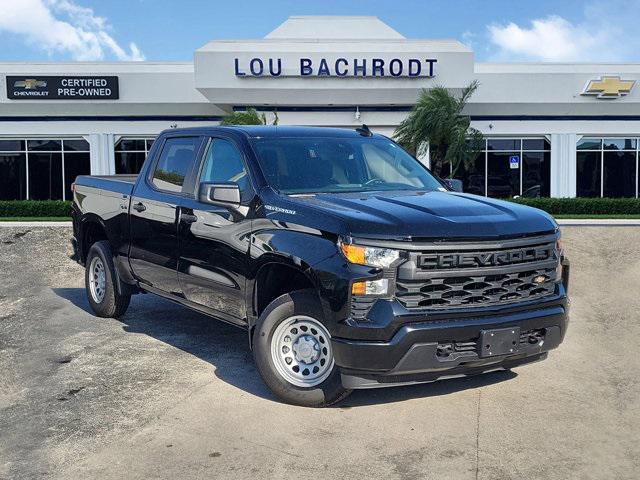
(303, 302)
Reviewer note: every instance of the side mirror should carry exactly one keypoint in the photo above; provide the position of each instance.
(454, 184)
(224, 194)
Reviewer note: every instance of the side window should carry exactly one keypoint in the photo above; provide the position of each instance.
(173, 165)
(223, 163)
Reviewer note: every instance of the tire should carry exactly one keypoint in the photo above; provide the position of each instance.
(100, 285)
(298, 312)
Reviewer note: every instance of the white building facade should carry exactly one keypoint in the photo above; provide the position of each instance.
(560, 130)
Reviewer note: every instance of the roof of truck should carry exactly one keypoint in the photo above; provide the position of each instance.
(273, 131)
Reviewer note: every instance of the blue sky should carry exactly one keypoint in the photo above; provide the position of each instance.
(167, 30)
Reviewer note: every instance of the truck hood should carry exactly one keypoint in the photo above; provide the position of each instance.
(427, 215)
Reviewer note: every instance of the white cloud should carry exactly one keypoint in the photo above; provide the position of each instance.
(62, 26)
(605, 33)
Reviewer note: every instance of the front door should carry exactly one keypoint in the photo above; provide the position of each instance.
(214, 241)
(154, 215)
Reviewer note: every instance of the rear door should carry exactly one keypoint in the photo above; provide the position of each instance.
(154, 213)
(214, 241)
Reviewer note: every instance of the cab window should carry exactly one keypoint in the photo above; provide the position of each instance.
(223, 163)
(175, 160)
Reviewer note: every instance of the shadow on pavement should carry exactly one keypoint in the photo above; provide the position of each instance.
(226, 347)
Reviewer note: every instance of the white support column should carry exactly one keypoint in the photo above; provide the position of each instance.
(563, 164)
(102, 154)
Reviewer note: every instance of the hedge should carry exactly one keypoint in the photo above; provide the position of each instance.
(554, 206)
(583, 206)
(35, 208)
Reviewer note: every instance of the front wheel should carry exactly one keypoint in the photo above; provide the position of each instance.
(292, 350)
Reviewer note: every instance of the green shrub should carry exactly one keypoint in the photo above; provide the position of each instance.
(35, 208)
(583, 206)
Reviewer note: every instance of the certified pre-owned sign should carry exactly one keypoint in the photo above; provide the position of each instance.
(62, 88)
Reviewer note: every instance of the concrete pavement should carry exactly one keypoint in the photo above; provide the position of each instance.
(169, 393)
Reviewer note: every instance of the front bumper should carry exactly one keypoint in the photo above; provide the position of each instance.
(433, 349)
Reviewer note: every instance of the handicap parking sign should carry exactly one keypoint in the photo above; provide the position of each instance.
(514, 161)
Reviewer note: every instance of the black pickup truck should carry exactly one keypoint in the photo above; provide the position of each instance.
(348, 263)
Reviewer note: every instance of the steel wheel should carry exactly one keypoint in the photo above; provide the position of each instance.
(97, 279)
(301, 351)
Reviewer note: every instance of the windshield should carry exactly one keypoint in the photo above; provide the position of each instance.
(329, 165)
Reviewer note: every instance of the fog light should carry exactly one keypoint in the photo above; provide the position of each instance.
(371, 287)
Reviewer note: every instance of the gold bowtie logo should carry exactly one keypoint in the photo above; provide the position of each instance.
(608, 87)
(30, 84)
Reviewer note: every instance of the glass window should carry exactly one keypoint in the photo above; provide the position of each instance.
(619, 174)
(45, 176)
(13, 176)
(11, 145)
(536, 174)
(472, 176)
(130, 154)
(44, 145)
(588, 174)
(128, 144)
(536, 144)
(129, 162)
(619, 143)
(610, 170)
(503, 181)
(223, 163)
(336, 164)
(75, 163)
(589, 144)
(76, 145)
(175, 161)
(504, 144)
(46, 162)
(530, 175)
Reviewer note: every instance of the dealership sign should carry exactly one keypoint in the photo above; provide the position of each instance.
(62, 88)
(339, 67)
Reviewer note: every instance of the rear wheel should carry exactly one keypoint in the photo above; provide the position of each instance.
(292, 350)
(100, 284)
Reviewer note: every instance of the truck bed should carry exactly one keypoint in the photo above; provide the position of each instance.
(122, 184)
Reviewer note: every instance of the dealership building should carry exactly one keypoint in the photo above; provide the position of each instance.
(551, 129)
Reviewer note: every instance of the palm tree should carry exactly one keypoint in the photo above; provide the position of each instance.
(436, 122)
(249, 117)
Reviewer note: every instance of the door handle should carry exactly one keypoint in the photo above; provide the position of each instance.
(188, 218)
(139, 207)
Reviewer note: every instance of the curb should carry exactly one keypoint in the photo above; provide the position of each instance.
(599, 222)
(36, 224)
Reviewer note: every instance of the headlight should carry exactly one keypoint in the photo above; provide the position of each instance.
(371, 256)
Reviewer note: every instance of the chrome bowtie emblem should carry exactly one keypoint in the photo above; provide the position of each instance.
(540, 279)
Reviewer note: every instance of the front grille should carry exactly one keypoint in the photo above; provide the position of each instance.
(476, 276)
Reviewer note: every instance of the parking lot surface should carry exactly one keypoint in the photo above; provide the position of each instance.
(168, 393)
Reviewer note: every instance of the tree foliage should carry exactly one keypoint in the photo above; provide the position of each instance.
(248, 117)
(436, 122)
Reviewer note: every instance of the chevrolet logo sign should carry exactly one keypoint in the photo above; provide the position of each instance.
(30, 84)
(608, 87)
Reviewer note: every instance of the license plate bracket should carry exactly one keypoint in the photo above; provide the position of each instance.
(500, 341)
